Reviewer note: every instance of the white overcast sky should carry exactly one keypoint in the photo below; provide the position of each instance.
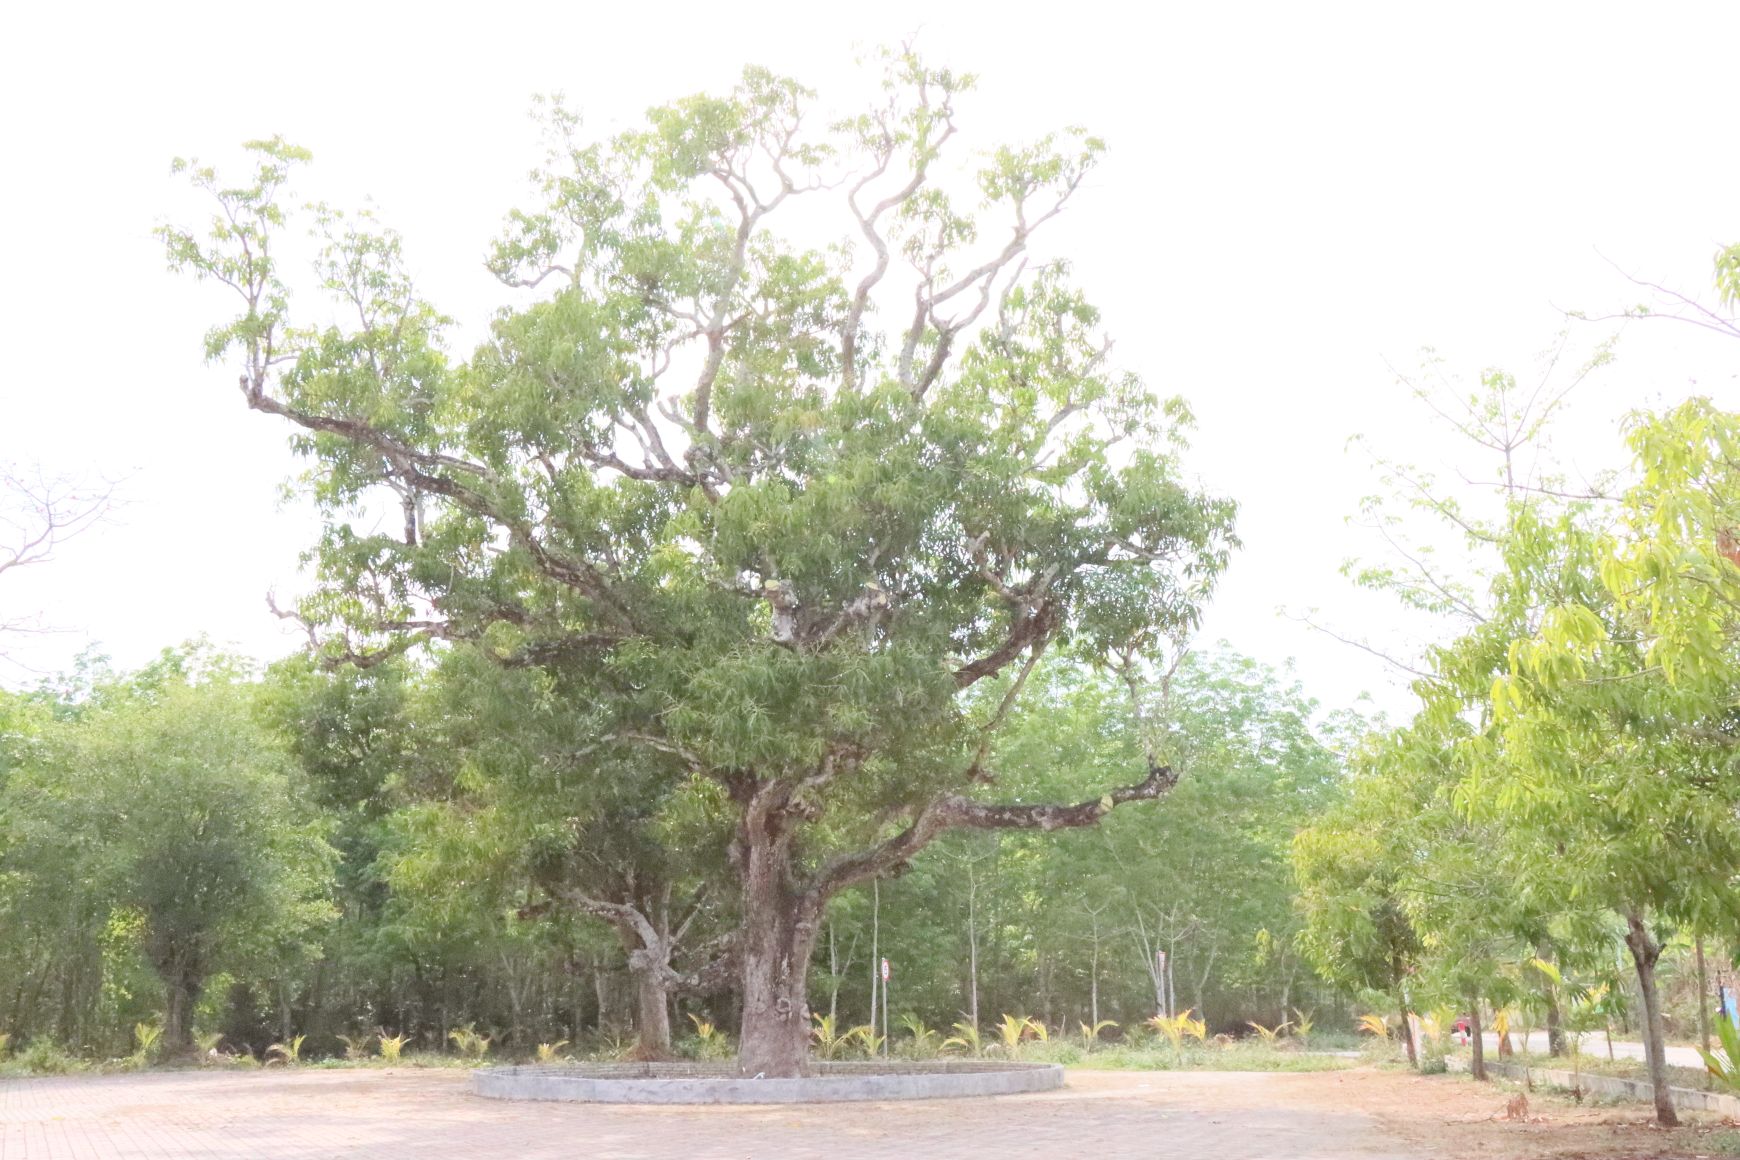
(1298, 197)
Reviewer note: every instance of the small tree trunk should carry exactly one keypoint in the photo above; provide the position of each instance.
(1094, 983)
(875, 943)
(601, 988)
(1408, 1033)
(1644, 953)
(1555, 1018)
(972, 946)
(180, 993)
(1477, 1044)
(1703, 998)
(833, 977)
(1555, 1026)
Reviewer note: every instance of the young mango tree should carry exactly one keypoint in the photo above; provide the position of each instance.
(1353, 865)
(1608, 770)
(800, 517)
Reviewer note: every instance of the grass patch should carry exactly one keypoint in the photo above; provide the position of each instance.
(1635, 1069)
(1243, 1055)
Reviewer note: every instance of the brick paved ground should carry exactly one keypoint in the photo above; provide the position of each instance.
(289, 1115)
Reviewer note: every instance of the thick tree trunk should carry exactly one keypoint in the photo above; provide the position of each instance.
(1477, 1045)
(779, 931)
(1644, 953)
(654, 1013)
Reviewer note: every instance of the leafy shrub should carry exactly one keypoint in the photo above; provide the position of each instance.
(43, 1056)
(1064, 1051)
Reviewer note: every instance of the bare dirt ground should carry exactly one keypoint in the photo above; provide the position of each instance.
(1363, 1114)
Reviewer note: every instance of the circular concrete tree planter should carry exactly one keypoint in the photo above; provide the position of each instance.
(720, 1083)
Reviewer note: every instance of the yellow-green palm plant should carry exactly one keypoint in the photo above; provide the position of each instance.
(287, 1053)
(1012, 1029)
(1501, 1029)
(471, 1043)
(1437, 1024)
(5, 1043)
(355, 1049)
(1725, 1068)
(1090, 1033)
(391, 1045)
(551, 1052)
(145, 1035)
(827, 1037)
(1177, 1028)
(1374, 1025)
(1271, 1035)
(923, 1041)
(966, 1037)
(616, 1046)
(867, 1039)
(1302, 1024)
(713, 1043)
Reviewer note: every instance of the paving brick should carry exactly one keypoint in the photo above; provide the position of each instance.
(290, 1115)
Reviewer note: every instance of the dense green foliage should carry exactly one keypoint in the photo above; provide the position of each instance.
(376, 863)
(154, 825)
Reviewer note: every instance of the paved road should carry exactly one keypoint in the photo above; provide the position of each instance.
(1593, 1043)
(290, 1115)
